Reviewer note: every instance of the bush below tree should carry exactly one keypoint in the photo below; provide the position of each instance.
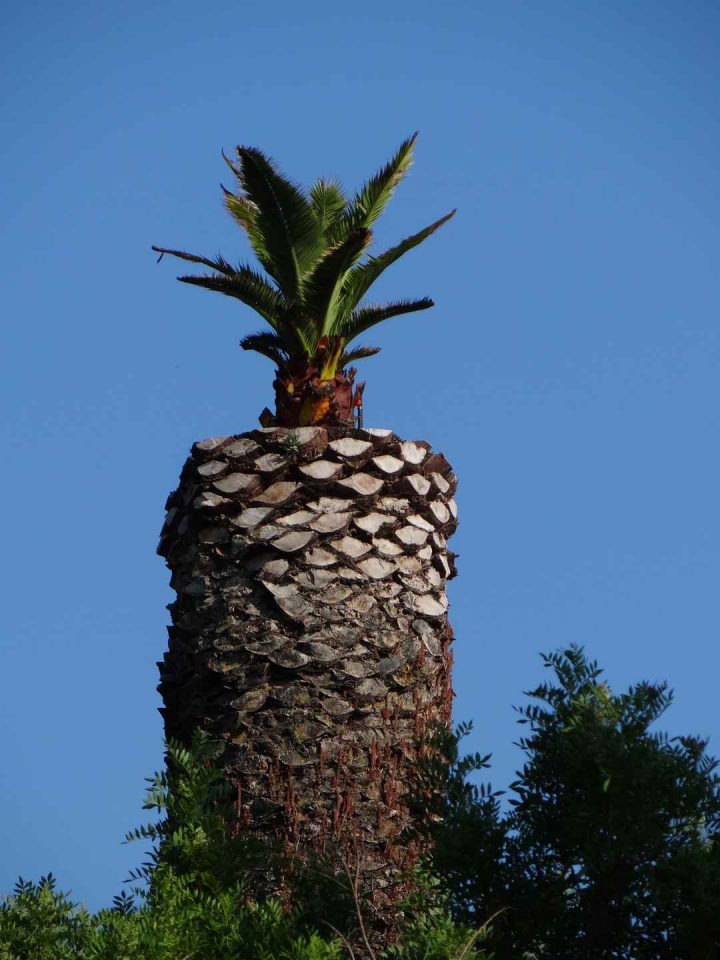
(607, 846)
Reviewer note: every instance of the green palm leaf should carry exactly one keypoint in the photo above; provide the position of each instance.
(328, 203)
(357, 353)
(248, 286)
(297, 333)
(365, 274)
(370, 316)
(222, 266)
(370, 201)
(268, 344)
(292, 239)
(325, 285)
(244, 213)
(311, 245)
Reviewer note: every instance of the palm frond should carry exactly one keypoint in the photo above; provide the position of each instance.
(357, 353)
(311, 244)
(328, 202)
(222, 266)
(370, 201)
(268, 344)
(245, 214)
(247, 286)
(235, 170)
(241, 210)
(365, 274)
(370, 316)
(303, 328)
(291, 235)
(324, 286)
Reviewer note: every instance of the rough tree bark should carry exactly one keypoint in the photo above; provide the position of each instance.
(310, 629)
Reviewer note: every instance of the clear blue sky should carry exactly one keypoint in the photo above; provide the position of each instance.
(569, 370)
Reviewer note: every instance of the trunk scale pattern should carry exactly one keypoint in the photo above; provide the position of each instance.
(310, 630)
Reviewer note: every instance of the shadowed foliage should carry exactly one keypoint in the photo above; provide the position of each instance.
(610, 843)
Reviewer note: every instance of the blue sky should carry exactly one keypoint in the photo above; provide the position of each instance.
(569, 369)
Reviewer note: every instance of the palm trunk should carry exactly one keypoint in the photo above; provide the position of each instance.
(310, 630)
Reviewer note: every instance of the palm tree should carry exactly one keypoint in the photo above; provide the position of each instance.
(309, 558)
(311, 247)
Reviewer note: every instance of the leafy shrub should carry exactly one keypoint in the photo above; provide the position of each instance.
(609, 847)
(190, 900)
(610, 843)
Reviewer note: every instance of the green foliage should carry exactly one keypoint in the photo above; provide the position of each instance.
(191, 839)
(290, 443)
(310, 246)
(40, 923)
(430, 933)
(464, 820)
(204, 893)
(610, 846)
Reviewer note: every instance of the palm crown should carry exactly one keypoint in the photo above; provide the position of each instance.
(311, 246)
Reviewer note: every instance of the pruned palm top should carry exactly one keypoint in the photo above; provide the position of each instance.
(311, 247)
